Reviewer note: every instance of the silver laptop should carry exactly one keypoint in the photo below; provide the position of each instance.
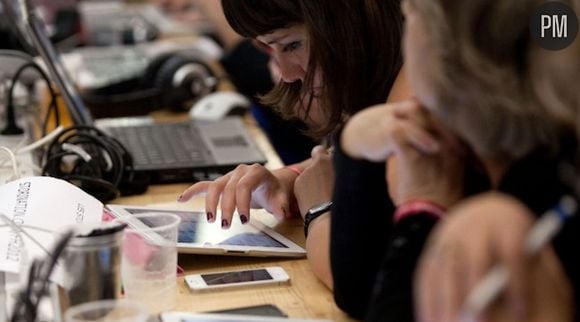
(165, 152)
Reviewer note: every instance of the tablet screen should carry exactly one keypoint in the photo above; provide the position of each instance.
(195, 229)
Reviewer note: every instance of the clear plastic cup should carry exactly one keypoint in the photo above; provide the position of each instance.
(149, 259)
(107, 311)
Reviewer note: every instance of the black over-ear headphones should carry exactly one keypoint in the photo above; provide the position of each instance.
(93, 161)
(170, 80)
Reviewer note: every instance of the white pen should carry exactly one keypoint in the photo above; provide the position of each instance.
(496, 280)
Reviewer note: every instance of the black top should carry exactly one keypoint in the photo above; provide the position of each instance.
(362, 224)
(361, 227)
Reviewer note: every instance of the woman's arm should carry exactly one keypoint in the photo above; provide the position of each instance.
(318, 249)
(312, 188)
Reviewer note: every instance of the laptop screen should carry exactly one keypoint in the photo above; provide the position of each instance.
(76, 107)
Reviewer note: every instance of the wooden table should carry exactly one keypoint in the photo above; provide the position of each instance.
(304, 297)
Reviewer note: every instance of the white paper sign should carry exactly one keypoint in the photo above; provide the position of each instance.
(46, 203)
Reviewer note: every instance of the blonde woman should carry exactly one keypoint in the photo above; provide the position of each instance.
(474, 70)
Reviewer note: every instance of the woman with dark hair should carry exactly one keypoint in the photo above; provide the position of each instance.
(247, 67)
(340, 55)
(334, 57)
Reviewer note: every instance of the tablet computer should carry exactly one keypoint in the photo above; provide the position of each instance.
(198, 236)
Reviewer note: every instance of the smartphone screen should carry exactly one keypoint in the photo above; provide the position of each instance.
(236, 277)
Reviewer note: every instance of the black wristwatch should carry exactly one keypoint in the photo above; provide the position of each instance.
(314, 213)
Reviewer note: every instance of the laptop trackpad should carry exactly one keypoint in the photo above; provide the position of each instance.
(229, 143)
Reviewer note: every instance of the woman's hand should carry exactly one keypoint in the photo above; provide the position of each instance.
(416, 174)
(314, 186)
(424, 160)
(248, 186)
(483, 231)
(370, 134)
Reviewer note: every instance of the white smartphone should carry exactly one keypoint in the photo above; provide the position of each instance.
(232, 279)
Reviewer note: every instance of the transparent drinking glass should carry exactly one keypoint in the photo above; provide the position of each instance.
(149, 259)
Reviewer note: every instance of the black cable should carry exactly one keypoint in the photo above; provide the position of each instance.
(11, 126)
(89, 137)
(26, 309)
(46, 270)
(22, 306)
(108, 167)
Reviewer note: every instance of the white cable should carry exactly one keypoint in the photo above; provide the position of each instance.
(4, 160)
(39, 143)
(78, 150)
(18, 230)
(15, 171)
(34, 167)
(31, 147)
(20, 144)
(44, 230)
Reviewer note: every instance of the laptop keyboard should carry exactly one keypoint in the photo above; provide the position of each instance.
(164, 145)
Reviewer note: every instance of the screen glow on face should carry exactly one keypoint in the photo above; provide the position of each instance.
(236, 277)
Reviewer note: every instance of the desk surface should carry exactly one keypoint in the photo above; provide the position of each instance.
(304, 297)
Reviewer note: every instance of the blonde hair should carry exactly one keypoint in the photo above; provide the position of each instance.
(484, 76)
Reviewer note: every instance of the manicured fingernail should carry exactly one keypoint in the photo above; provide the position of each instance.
(225, 223)
(243, 219)
(209, 216)
(179, 198)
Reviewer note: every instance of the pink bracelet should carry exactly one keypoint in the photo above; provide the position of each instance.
(414, 207)
(294, 169)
